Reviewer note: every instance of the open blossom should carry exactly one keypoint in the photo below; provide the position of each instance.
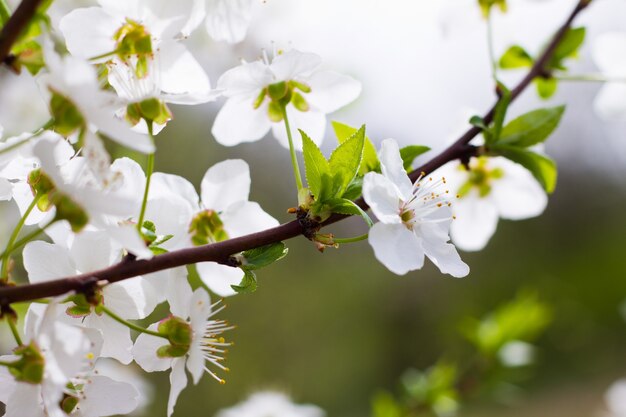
(492, 188)
(226, 213)
(609, 54)
(256, 92)
(414, 219)
(274, 404)
(199, 343)
(225, 20)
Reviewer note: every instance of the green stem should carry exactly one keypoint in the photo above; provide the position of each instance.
(39, 131)
(5, 12)
(18, 228)
(350, 239)
(16, 333)
(105, 55)
(492, 55)
(132, 325)
(292, 151)
(149, 171)
(25, 240)
(598, 78)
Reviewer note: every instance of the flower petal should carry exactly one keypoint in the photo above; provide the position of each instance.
(392, 168)
(396, 247)
(89, 31)
(178, 382)
(517, 194)
(228, 20)
(330, 90)
(610, 103)
(117, 342)
(238, 121)
(104, 396)
(382, 197)
(294, 64)
(247, 80)
(46, 261)
(312, 122)
(219, 278)
(246, 217)
(444, 255)
(145, 352)
(475, 223)
(225, 183)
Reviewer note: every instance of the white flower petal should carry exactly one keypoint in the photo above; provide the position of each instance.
(91, 250)
(330, 90)
(238, 122)
(228, 20)
(182, 80)
(89, 32)
(396, 247)
(225, 183)
(200, 310)
(247, 80)
(105, 397)
(517, 194)
(127, 298)
(383, 197)
(294, 64)
(117, 342)
(178, 382)
(475, 223)
(26, 401)
(392, 167)
(179, 293)
(45, 261)
(610, 103)
(246, 217)
(168, 184)
(195, 363)
(145, 352)
(443, 255)
(312, 122)
(219, 278)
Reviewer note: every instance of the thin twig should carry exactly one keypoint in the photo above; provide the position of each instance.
(16, 25)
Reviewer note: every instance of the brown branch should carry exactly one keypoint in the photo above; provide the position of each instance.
(16, 25)
(220, 252)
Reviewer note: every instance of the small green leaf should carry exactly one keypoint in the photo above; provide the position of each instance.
(409, 153)
(569, 45)
(500, 113)
(370, 157)
(315, 164)
(345, 161)
(354, 189)
(265, 255)
(345, 206)
(515, 57)
(543, 168)
(532, 128)
(248, 283)
(546, 87)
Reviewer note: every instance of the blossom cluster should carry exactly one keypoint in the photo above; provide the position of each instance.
(122, 65)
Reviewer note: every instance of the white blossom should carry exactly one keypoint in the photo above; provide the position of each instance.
(274, 404)
(414, 219)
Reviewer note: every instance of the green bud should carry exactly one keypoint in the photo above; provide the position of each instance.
(69, 403)
(207, 227)
(275, 112)
(67, 117)
(41, 185)
(179, 334)
(30, 367)
(68, 209)
(152, 110)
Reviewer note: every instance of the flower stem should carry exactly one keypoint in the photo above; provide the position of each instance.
(105, 55)
(149, 171)
(132, 325)
(292, 151)
(16, 333)
(5, 259)
(350, 239)
(24, 240)
(492, 55)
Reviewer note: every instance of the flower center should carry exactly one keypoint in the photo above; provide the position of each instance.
(133, 39)
(480, 177)
(282, 93)
(207, 227)
(428, 199)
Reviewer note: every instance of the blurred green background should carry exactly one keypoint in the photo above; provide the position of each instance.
(334, 328)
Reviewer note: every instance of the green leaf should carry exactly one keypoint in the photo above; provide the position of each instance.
(532, 128)
(248, 283)
(370, 157)
(500, 113)
(345, 206)
(515, 57)
(315, 165)
(546, 87)
(409, 153)
(569, 45)
(265, 255)
(345, 161)
(543, 168)
(354, 189)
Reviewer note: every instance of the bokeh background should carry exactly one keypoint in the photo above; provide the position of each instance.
(334, 328)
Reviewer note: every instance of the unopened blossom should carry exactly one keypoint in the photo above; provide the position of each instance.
(226, 212)
(274, 404)
(199, 343)
(257, 91)
(414, 218)
(609, 54)
(86, 252)
(492, 188)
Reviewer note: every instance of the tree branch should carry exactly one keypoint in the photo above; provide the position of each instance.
(221, 251)
(15, 26)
